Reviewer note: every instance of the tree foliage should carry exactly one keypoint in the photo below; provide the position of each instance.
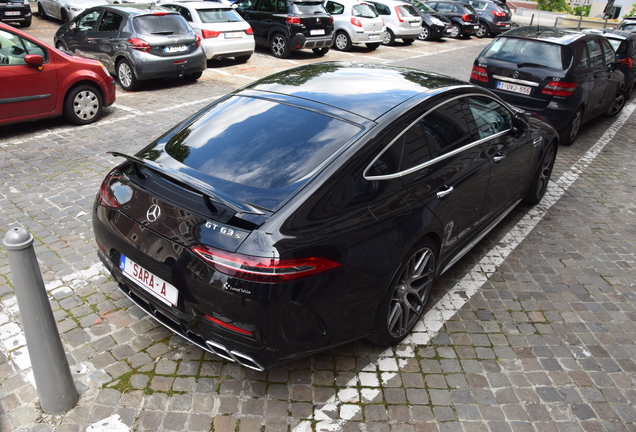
(582, 10)
(553, 5)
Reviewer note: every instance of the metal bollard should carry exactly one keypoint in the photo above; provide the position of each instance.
(53, 378)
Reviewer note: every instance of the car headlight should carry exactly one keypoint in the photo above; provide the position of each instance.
(104, 68)
(437, 21)
(75, 8)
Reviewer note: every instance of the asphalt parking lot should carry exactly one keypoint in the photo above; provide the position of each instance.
(533, 330)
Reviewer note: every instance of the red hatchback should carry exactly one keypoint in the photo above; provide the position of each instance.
(39, 81)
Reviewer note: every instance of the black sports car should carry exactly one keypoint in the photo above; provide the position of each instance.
(315, 206)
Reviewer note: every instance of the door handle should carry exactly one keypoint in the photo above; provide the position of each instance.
(499, 157)
(441, 194)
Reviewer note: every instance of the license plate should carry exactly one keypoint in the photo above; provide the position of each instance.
(149, 282)
(415, 24)
(12, 13)
(317, 32)
(175, 49)
(374, 37)
(233, 35)
(516, 88)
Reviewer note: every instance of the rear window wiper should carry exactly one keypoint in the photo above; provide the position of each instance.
(165, 32)
(528, 64)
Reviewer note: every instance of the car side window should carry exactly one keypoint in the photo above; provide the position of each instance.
(110, 22)
(245, 4)
(444, 7)
(14, 48)
(609, 55)
(87, 22)
(489, 116)
(596, 54)
(581, 57)
(478, 5)
(266, 6)
(335, 8)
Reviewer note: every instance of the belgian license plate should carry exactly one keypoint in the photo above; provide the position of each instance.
(516, 88)
(317, 32)
(149, 281)
(233, 35)
(374, 37)
(415, 24)
(12, 13)
(175, 49)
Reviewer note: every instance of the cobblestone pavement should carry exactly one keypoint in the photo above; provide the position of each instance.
(532, 331)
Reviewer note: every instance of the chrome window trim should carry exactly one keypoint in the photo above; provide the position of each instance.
(517, 81)
(439, 158)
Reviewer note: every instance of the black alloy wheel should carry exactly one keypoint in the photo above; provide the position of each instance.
(404, 302)
(542, 177)
(617, 105)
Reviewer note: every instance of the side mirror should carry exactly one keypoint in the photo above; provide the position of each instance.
(73, 26)
(520, 123)
(34, 59)
(234, 6)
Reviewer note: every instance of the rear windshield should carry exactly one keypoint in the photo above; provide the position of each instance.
(629, 28)
(620, 46)
(408, 10)
(469, 9)
(308, 8)
(171, 24)
(525, 52)
(421, 6)
(364, 11)
(259, 143)
(218, 15)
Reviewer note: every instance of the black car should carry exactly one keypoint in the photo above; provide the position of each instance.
(464, 19)
(289, 25)
(494, 17)
(16, 11)
(306, 210)
(628, 24)
(434, 25)
(624, 43)
(566, 76)
(135, 42)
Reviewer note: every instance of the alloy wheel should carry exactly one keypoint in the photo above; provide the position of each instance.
(124, 73)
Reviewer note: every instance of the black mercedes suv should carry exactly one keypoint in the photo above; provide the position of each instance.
(291, 25)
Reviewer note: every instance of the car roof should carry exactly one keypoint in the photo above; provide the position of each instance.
(545, 34)
(367, 90)
(199, 4)
(137, 8)
(618, 34)
(391, 2)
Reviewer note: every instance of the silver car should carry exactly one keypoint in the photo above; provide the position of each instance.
(355, 22)
(402, 21)
(65, 10)
(135, 42)
(224, 32)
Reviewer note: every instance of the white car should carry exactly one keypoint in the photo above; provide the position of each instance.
(223, 31)
(355, 22)
(402, 21)
(65, 10)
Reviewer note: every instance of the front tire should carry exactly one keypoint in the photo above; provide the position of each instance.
(425, 34)
(41, 12)
(342, 41)
(26, 23)
(483, 30)
(83, 105)
(61, 46)
(404, 302)
(456, 31)
(279, 46)
(569, 133)
(542, 177)
(64, 16)
(617, 105)
(126, 75)
(389, 38)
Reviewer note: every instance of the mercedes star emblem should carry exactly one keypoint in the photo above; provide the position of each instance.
(515, 74)
(153, 213)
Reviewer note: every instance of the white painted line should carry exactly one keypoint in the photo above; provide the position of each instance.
(125, 108)
(468, 286)
(110, 424)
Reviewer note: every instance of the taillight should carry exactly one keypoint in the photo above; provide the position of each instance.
(249, 31)
(479, 74)
(266, 270)
(383, 25)
(558, 88)
(139, 44)
(228, 326)
(197, 39)
(356, 22)
(628, 61)
(293, 20)
(466, 18)
(398, 14)
(208, 34)
(499, 14)
(332, 21)
(160, 13)
(106, 196)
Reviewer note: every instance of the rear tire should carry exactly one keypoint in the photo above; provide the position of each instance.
(126, 75)
(617, 105)
(279, 46)
(483, 30)
(568, 134)
(342, 41)
(83, 105)
(404, 301)
(541, 178)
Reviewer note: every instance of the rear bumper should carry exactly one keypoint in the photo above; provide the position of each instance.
(228, 48)
(300, 41)
(15, 14)
(149, 66)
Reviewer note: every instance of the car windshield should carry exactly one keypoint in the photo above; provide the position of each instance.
(218, 15)
(171, 24)
(629, 27)
(526, 52)
(364, 11)
(308, 8)
(259, 143)
(421, 6)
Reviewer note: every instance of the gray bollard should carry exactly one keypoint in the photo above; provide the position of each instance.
(53, 377)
